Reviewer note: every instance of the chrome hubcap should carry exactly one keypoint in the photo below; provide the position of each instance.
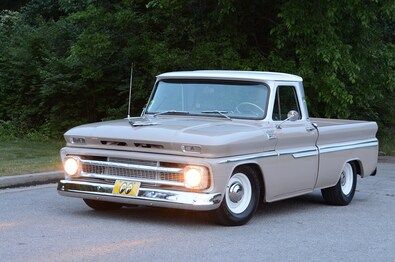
(343, 179)
(346, 179)
(236, 192)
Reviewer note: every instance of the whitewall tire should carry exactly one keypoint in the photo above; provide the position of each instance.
(343, 192)
(241, 197)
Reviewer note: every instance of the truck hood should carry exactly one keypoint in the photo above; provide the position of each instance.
(192, 136)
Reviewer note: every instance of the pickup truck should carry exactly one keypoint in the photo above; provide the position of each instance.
(218, 141)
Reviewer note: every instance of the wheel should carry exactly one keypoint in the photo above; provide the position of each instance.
(343, 192)
(241, 198)
(102, 205)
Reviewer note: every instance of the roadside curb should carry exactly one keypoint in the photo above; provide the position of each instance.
(30, 179)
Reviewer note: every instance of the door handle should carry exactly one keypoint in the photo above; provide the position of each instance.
(310, 128)
(271, 136)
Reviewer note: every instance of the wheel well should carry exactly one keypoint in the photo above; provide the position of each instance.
(258, 170)
(357, 164)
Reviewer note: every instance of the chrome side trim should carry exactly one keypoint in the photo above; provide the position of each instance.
(142, 180)
(329, 149)
(146, 196)
(132, 166)
(306, 153)
(348, 145)
(249, 157)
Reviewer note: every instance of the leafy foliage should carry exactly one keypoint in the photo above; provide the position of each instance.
(65, 62)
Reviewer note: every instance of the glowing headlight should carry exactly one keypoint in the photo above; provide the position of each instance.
(71, 166)
(195, 177)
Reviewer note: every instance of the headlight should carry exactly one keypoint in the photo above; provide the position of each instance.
(195, 177)
(71, 166)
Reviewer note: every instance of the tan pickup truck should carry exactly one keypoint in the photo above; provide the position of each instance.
(221, 141)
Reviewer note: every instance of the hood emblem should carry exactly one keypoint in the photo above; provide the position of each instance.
(191, 148)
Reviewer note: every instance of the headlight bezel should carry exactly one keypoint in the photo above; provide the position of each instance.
(77, 169)
(204, 178)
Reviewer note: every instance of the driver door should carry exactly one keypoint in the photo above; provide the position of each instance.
(297, 160)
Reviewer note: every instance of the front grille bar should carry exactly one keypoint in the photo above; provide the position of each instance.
(142, 180)
(132, 166)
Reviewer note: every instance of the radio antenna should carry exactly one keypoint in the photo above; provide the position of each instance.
(130, 93)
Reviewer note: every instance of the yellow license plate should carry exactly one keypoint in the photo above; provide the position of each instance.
(126, 188)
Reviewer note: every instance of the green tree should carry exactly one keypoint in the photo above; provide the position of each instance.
(65, 62)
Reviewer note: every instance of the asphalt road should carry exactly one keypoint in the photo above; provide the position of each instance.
(36, 224)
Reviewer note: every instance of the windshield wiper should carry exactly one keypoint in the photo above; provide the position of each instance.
(171, 112)
(219, 112)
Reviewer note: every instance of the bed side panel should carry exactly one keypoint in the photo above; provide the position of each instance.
(339, 144)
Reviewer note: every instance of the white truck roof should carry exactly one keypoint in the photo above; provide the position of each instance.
(230, 75)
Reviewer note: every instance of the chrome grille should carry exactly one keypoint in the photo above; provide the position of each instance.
(146, 171)
(132, 173)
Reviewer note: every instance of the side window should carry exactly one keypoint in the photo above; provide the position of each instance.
(286, 100)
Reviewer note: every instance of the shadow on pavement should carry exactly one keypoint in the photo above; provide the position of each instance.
(183, 217)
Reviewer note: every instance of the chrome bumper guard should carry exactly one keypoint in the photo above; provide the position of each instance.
(146, 196)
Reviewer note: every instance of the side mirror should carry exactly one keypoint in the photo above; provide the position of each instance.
(291, 116)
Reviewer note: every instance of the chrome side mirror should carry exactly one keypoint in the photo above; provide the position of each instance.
(291, 116)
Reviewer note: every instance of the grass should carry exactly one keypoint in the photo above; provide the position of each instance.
(388, 146)
(23, 156)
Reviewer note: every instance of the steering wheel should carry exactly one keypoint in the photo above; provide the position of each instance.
(251, 105)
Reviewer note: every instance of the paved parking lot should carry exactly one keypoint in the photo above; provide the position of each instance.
(36, 224)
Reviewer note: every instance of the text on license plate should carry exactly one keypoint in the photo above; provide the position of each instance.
(128, 188)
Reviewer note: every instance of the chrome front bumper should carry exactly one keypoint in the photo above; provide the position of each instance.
(145, 197)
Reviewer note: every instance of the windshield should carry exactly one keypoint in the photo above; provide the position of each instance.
(210, 98)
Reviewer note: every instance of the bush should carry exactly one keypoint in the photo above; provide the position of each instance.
(10, 131)
(67, 62)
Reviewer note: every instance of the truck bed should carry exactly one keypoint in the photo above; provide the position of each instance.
(342, 140)
(335, 131)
